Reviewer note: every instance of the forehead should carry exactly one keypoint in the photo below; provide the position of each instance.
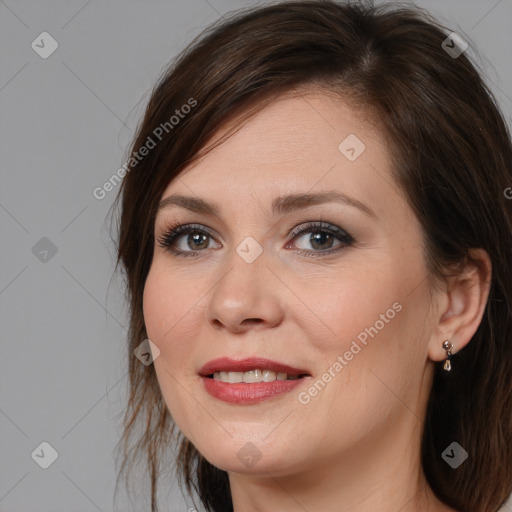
(297, 143)
(298, 126)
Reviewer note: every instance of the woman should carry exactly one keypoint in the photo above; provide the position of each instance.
(316, 241)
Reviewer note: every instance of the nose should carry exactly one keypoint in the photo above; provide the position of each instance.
(246, 296)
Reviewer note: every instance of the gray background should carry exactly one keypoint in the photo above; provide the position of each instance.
(65, 125)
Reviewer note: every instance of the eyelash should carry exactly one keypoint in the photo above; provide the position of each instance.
(173, 232)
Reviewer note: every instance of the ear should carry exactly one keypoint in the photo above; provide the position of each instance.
(463, 305)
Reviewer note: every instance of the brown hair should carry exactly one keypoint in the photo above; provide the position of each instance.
(452, 157)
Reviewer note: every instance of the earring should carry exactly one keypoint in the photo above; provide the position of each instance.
(448, 347)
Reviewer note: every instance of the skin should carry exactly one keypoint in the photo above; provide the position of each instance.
(355, 446)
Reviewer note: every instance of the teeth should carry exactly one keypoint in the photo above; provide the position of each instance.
(252, 376)
(268, 376)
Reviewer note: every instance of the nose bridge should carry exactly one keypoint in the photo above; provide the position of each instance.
(249, 250)
(247, 289)
(247, 263)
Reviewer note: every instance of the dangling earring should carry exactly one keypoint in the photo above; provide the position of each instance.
(448, 347)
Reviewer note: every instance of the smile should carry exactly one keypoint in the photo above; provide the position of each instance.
(252, 376)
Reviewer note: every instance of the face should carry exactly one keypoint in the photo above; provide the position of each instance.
(334, 288)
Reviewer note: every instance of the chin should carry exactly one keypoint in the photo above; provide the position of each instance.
(262, 463)
(240, 455)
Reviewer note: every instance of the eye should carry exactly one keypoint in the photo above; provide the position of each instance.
(322, 237)
(198, 238)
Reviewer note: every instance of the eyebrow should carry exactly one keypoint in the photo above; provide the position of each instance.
(280, 205)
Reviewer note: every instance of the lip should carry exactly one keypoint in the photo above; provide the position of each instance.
(226, 364)
(243, 393)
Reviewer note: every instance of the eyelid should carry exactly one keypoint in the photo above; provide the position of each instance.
(176, 230)
(319, 225)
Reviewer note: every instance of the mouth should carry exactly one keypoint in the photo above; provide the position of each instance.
(250, 370)
(253, 376)
(251, 380)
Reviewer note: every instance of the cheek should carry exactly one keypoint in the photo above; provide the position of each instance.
(372, 337)
(359, 306)
(163, 306)
(171, 318)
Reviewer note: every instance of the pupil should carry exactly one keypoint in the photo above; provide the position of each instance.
(317, 237)
(197, 238)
